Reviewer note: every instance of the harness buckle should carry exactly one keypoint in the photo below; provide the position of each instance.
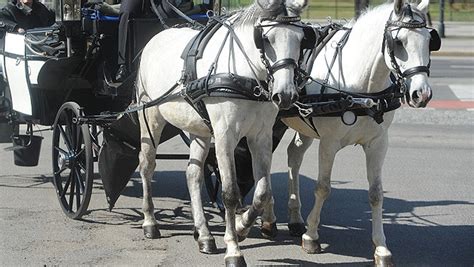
(257, 91)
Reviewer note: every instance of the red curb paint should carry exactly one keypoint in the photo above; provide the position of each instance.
(450, 104)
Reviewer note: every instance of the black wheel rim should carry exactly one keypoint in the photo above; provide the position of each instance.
(72, 162)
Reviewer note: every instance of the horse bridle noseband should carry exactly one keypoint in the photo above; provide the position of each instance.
(390, 41)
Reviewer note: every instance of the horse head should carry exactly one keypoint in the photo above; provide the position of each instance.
(278, 36)
(408, 44)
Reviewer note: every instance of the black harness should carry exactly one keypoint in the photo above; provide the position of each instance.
(227, 84)
(374, 104)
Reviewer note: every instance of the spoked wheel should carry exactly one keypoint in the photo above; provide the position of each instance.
(72, 161)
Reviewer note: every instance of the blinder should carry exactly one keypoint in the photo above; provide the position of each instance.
(309, 39)
(258, 37)
(435, 40)
(389, 40)
(308, 42)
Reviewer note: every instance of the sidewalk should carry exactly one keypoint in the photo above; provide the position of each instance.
(458, 41)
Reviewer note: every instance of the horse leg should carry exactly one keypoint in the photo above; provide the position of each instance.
(147, 159)
(295, 151)
(260, 146)
(225, 147)
(327, 153)
(375, 154)
(296, 226)
(199, 149)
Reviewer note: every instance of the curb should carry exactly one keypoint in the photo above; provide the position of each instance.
(452, 54)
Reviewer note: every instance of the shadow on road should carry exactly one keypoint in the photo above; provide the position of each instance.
(414, 239)
(346, 222)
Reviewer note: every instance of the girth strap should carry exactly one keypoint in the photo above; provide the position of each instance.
(223, 85)
(220, 85)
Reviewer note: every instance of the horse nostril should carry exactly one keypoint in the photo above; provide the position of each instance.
(416, 95)
(276, 98)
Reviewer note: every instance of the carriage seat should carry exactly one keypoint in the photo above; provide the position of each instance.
(45, 42)
(105, 10)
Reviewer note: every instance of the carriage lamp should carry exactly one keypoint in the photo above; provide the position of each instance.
(68, 10)
(68, 13)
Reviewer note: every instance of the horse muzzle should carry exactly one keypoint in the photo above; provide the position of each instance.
(284, 101)
(420, 98)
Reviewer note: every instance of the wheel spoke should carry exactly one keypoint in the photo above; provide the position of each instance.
(81, 166)
(71, 193)
(79, 179)
(78, 154)
(71, 130)
(65, 137)
(60, 150)
(78, 193)
(66, 186)
(60, 171)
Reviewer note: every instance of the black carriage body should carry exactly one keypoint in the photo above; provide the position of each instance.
(21, 69)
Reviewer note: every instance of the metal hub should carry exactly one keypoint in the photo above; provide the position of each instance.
(65, 161)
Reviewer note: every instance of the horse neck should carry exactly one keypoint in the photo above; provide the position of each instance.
(363, 65)
(235, 60)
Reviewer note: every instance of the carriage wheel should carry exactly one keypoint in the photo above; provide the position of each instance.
(72, 161)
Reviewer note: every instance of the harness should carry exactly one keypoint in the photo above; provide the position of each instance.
(228, 84)
(360, 104)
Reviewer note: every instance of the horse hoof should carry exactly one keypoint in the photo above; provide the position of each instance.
(383, 261)
(151, 231)
(311, 246)
(269, 230)
(207, 246)
(235, 261)
(297, 229)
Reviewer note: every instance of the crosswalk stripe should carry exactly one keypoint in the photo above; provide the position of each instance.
(463, 91)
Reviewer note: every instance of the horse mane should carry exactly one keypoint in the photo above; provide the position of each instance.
(387, 7)
(248, 16)
(382, 12)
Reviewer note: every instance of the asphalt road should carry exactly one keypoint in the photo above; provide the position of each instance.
(428, 207)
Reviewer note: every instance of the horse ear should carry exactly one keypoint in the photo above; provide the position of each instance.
(270, 5)
(397, 6)
(295, 7)
(423, 6)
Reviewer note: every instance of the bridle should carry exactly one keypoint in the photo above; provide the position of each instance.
(389, 41)
(308, 42)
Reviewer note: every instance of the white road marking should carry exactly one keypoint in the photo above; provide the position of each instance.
(463, 91)
(462, 66)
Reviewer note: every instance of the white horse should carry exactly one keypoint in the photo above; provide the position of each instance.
(388, 38)
(227, 65)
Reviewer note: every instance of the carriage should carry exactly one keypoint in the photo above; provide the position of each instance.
(60, 77)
